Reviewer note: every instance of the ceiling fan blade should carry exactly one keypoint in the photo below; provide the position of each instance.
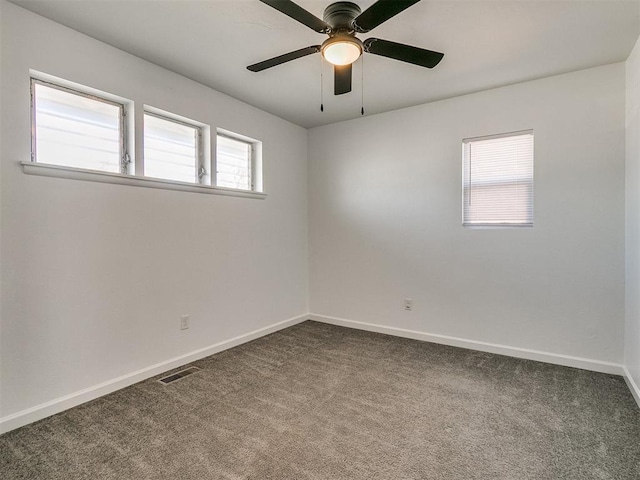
(402, 52)
(298, 13)
(287, 57)
(342, 79)
(380, 12)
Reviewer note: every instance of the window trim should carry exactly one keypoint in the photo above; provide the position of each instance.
(528, 131)
(201, 167)
(58, 171)
(494, 225)
(125, 159)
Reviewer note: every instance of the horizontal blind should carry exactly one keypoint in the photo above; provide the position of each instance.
(498, 180)
(170, 149)
(74, 130)
(233, 163)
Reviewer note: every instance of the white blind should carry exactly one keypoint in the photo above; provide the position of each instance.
(170, 149)
(233, 163)
(74, 130)
(498, 180)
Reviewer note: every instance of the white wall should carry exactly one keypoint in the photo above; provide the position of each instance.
(1, 49)
(95, 276)
(385, 222)
(632, 331)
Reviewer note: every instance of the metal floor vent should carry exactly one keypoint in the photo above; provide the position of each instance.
(178, 375)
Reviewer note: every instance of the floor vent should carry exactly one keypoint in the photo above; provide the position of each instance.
(178, 375)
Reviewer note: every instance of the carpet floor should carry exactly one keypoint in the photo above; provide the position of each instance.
(322, 402)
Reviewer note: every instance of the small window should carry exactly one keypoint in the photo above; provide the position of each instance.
(235, 162)
(76, 129)
(172, 149)
(83, 133)
(498, 180)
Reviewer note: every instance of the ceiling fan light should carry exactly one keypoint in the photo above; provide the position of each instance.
(341, 52)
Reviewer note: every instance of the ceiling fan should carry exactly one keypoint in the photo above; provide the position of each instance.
(342, 21)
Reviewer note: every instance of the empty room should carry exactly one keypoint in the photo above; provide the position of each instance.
(316, 240)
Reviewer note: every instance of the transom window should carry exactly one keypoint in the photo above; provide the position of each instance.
(235, 162)
(75, 129)
(498, 180)
(83, 133)
(172, 149)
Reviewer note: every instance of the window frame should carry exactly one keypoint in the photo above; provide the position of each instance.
(254, 147)
(125, 159)
(202, 172)
(131, 139)
(496, 224)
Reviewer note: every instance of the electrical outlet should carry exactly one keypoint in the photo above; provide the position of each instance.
(184, 322)
(408, 304)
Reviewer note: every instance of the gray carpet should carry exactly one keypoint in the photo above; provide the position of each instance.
(322, 402)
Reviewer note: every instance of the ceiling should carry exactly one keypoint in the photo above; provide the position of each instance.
(486, 44)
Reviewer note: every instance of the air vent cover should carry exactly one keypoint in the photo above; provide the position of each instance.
(178, 375)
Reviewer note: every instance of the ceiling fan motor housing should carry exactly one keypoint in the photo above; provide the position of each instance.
(340, 16)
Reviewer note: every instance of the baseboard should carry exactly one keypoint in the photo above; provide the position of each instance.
(633, 386)
(24, 417)
(555, 358)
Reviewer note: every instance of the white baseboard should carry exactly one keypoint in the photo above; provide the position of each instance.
(24, 417)
(555, 358)
(633, 386)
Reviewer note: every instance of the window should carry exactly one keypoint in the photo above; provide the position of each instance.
(81, 133)
(498, 180)
(76, 129)
(235, 162)
(172, 149)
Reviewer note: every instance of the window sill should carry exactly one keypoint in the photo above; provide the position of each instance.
(47, 170)
(494, 226)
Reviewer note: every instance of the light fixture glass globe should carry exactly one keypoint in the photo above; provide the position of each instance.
(342, 52)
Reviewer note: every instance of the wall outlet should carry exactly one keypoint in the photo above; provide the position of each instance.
(184, 322)
(408, 304)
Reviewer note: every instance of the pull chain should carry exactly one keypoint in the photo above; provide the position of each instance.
(362, 83)
(321, 84)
